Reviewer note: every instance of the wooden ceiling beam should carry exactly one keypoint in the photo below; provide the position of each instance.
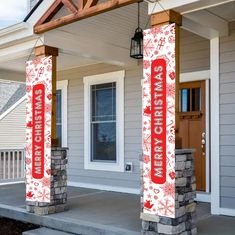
(87, 12)
(51, 12)
(90, 3)
(70, 5)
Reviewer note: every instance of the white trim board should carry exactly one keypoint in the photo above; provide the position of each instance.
(104, 187)
(203, 75)
(214, 131)
(117, 77)
(63, 86)
(203, 197)
(195, 76)
(12, 107)
(12, 182)
(227, 211)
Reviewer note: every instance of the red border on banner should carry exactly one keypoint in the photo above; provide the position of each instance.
(158, 121)
(38, 120)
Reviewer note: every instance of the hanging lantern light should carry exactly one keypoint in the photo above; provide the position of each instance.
(136, 50)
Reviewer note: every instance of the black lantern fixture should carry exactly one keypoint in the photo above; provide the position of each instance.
(136, 50)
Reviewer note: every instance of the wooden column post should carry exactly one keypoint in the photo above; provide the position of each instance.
(42, 51)
(168, 17)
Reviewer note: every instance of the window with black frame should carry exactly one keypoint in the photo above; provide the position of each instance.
(103, 122)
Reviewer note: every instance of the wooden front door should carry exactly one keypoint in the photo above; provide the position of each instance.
(192, 126)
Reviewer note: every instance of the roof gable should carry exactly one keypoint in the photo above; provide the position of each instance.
(76, 11)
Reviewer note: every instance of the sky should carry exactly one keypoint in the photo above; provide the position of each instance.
(12, 12)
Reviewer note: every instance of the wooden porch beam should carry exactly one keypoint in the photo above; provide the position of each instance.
(42, 51)
(90, 3)
(70, 5)
(51, 12)
(81, 14)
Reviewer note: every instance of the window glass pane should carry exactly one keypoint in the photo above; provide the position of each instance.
(59, 116)
(185, 100)
(196, 99)
(104, 102)
(103, 146)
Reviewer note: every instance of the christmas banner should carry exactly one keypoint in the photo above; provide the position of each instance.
(38, 129)
(159, 121)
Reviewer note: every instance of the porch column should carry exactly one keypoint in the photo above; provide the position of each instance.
(43, 51)
(169, 187)
(47, 194)
(163, 18)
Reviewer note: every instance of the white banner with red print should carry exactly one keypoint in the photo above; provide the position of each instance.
(38, 129)
(159, 121)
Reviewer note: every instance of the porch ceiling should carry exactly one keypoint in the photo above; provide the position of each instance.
(226, 11)
(114, 27)
(104, 38)
(65, 60)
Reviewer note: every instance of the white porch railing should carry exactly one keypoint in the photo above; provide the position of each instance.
(12, 165)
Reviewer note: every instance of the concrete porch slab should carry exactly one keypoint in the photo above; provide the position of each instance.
(45, 231)
(92, 212)
(95, 212)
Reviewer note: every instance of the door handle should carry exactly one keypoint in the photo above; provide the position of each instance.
(203, 143)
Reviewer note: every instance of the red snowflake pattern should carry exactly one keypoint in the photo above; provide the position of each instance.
(169, 189)
(166, 207)
(44, 195)
(148, 47)
(170, 89)
(146, 64)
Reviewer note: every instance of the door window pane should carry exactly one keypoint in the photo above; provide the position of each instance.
(103, 122)
(196, 99)
(59, 117)
(185, 100)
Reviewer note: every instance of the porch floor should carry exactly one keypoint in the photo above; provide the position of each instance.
(94, 212)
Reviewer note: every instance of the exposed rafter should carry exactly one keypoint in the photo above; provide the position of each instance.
(83, 9)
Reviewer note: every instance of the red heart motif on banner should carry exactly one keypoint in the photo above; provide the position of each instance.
(156, 191)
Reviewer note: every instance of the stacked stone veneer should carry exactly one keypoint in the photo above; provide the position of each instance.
(185, 193)
(58, 186)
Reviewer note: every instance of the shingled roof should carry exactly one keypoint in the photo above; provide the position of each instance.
(10, 93)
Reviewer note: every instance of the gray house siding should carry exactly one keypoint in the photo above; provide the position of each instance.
(12, 128)
(132, 131)
(227, 119)
(194, 52)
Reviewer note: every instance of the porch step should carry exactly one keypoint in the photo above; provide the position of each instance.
(45, 231)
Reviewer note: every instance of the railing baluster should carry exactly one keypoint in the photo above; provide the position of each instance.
(8, 165)
(13, 164)
(4, 165)
(17, 164)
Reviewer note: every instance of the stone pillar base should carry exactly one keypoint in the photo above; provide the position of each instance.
(58, 186)
(185, 192)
